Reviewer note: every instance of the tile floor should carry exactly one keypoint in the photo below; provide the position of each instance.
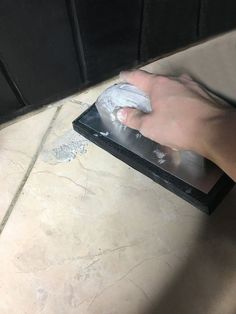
(84, 233)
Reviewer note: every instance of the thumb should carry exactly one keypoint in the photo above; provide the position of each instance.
(130, 117)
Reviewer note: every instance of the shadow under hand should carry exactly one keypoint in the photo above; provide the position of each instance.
(206, 283)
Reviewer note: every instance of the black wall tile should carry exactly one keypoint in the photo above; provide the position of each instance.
(168, 25)
(217, 16)
(8, 101)
(110, 32)
(54, 47)
(37, 43)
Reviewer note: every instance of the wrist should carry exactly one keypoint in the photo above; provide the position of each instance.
(218, 143)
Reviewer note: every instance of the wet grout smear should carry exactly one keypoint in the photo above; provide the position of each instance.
(65, 148)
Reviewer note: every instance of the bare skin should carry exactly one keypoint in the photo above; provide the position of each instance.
(184, 116)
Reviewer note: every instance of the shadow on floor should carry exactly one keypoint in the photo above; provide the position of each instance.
(206, 283)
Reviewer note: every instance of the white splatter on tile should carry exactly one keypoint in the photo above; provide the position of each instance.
(65, 148)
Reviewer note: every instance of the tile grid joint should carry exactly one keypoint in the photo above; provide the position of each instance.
(28, 172)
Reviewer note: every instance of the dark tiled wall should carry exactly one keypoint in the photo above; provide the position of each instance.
(216, 16)
(168, 25)
(8, 101)
(110, 31)
(36, 43)
(53, 48)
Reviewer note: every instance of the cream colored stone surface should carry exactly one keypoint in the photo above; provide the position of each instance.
(94, 236)
(18, 144)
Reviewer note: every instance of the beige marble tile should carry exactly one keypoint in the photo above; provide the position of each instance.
(92, 235)
(18, 144)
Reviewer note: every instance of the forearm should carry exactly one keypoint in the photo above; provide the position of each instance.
(221, 144)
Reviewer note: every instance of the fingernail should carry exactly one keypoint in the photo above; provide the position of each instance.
(121, 115)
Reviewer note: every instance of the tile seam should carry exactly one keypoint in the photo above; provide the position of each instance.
(28, 171)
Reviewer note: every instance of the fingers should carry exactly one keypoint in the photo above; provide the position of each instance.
(144, 80)
(141, 79)
(130, 117)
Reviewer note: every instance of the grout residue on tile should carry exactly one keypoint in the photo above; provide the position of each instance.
(65, 148)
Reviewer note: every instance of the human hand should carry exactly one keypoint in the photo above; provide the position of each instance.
(184, 116)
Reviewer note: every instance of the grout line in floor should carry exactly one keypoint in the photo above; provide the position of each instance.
(27, 174)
